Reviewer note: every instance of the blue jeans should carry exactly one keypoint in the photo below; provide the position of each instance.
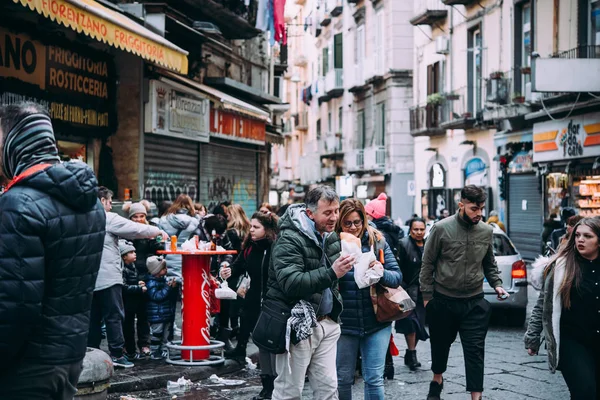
(373, 349)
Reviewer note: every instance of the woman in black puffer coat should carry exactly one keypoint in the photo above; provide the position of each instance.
(254, 261)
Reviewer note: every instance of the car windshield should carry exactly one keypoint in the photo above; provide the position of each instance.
(503, 246)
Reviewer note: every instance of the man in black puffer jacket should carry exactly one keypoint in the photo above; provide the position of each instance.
(306, 265)
(51, 237)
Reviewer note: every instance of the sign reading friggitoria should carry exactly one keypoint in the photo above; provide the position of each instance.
(76, 85)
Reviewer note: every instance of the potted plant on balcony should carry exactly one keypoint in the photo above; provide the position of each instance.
(526, 70)
(518, 98)
(451, 96)
(497, 75)
(435, 99)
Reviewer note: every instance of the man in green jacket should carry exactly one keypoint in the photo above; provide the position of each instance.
(457, 256)
(306, 265)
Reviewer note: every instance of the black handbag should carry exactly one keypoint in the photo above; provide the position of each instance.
(269, 331)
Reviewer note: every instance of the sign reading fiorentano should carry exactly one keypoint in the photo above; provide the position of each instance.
(76, 85)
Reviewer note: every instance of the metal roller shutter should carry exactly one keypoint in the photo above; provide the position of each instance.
(170, 168)
(525, 226)
(228, 174)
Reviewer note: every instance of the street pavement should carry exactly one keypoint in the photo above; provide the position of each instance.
(510, 373)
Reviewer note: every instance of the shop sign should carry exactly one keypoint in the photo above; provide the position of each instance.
(521, 162)
(172, 113)
(110, 27)
(233, 126)
(76, 85)
(575, 137)
(476, 172)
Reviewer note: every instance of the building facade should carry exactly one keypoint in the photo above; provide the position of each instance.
(350, 94)
(484, 114)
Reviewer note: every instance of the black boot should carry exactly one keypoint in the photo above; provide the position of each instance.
(435, 390)
(388, 371)
(239, 353)
(268, 386)
(410, 360)
(223, 336)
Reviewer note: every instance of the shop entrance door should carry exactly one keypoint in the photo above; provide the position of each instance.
(525, 214)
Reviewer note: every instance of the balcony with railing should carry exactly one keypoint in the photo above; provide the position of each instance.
(373, 72)
(428, 12)
(357, 83)
(301, 121)
(330, 171)
(374, 158)
(300, 60)
(334, 83)
(425, 120)
(508, 94)
(355, 160)
(455, 111)
(582, 62)
(330, 146)
(310, 165)
(288, 128)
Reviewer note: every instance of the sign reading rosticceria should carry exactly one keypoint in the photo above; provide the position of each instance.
(76, 85)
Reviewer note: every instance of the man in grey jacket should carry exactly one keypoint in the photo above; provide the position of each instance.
(107, 304)
(457, 256)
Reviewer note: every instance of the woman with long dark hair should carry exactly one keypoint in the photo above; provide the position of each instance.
(410, 253)
(568, 311)
(254, 261)
(361, 332)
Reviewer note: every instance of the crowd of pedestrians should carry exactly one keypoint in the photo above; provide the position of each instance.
(73, 271)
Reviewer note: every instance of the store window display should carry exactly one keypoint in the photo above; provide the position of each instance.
(580, 192)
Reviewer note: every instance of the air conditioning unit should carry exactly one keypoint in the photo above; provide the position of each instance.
(531, 97)
(497, 91)
(442, 45)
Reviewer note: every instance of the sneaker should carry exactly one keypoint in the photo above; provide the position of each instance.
(132, 356)
(435, 390)
(145, 352)
(122, 362)
(159, 354)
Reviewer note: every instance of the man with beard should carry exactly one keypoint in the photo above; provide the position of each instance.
(457, 256)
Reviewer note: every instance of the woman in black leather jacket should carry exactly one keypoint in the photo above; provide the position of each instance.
(410, 252)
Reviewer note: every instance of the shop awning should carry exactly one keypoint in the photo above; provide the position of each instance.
(226, 101)
(113, 28)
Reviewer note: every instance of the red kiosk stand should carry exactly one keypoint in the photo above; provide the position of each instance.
(195, 343)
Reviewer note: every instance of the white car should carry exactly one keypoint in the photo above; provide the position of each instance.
(513, 272)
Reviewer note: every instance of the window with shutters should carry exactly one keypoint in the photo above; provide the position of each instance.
(325, 61)
(379, 136)
(379, 42)
(359, 53)
(340, 119)
(338, 51)
(318, 129)
(474, 70)
(360, 130)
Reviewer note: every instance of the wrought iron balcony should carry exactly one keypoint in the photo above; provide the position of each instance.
(301, 120)
(425, 121)
(355, 160)
(374, 158)
(330, 146)
(455, 111)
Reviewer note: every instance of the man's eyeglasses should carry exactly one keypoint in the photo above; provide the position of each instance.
(348, 224)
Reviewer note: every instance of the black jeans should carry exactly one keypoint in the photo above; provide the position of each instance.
(40, 382)
(249, 319)
(580, 366)
(470, 318)
(135, 305)
(108, 305)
